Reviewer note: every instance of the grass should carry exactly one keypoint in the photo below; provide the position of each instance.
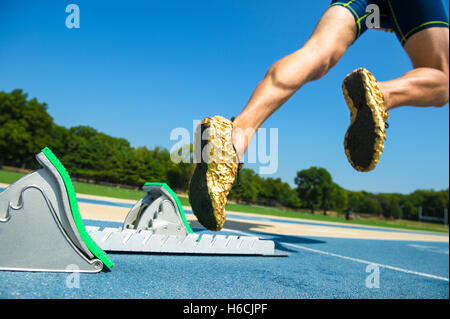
(9, 177)
(114, 192)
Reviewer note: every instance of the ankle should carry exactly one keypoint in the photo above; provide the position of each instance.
(238, 143)
(244, 128)
(386, 96)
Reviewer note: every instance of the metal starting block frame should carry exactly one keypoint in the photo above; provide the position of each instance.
(41, 227)
(40, 224)
(157, 224)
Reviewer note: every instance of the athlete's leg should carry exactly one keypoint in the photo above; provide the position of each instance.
(428, 83)
(214, 175)
(334, 33)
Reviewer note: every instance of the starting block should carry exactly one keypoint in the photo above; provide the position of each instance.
(157, 224)
(40, 224)
(41, 227)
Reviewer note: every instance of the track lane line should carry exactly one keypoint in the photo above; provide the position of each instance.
(362, 261)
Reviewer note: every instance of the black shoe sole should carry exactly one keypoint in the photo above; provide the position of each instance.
(200, 200)
(363, 141)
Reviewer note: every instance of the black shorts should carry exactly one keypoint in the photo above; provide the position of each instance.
(404, 17)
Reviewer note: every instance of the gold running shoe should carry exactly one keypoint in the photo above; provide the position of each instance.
(214, 173)
(364, 140)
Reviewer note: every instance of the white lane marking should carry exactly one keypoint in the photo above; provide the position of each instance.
(362, 261)
(432, 249)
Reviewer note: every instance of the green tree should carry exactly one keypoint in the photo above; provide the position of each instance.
(246, 187)
(364, 202)
(24, 128)
(288, 197)
(273, 191)
(315, 188)
(179, 169)
(433, 203)
(340, 198)
(390, 205)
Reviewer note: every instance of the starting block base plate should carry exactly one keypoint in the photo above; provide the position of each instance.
(144, 241)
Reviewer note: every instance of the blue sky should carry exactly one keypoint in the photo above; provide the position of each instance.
(139, 69)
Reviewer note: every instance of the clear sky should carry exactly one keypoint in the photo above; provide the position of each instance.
(139, 69)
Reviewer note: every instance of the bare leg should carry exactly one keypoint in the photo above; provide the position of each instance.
(334, 33)
(427, 84)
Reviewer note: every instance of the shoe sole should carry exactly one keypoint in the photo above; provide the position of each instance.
(364, 140)
(201, 201)
(199, 197)
(211, 183)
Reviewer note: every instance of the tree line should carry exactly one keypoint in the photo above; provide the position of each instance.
(26, 127)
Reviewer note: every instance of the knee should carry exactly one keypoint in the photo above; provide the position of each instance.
(312, 64)
(323, 61)
(324, 65)
(284, 76)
